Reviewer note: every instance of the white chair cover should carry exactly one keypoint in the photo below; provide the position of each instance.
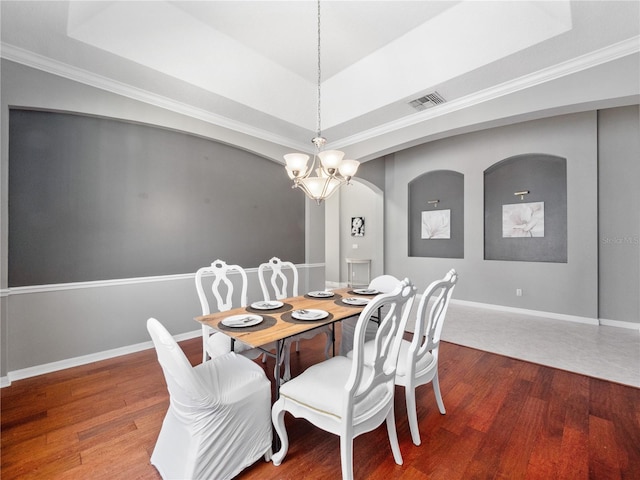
(218, 419)
(351, 396)
(383, 284)
(418, 359)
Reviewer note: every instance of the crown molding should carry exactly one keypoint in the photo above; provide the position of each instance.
(576, 65)
(627, 47)
(54, 67)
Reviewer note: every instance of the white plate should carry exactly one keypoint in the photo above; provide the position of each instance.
(264, 305)
(365, 291)
(245, 320)
(309, 314)
(355, 301)
(321, 294)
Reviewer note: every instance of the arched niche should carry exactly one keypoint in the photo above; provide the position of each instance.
(435, 198)
(525, 209)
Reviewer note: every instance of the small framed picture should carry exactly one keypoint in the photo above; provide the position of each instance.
(357, 226)
(523, 220)
(436, 224)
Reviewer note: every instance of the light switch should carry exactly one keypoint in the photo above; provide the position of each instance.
(354, 246)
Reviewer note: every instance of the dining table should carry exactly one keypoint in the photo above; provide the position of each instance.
(268, 321)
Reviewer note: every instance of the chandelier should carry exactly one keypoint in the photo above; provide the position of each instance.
(328, 170)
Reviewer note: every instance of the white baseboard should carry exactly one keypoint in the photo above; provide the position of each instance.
(85, 359)
(524, 311)
(620, 324)
(552, 315)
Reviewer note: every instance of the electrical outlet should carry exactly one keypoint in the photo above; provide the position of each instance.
(354, 246)
(518, 292)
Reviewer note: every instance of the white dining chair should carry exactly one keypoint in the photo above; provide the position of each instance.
(382, 284)
(277, 286)
(350, 396)
(206, 432)
(418, 359)
(278, 280)
(222, 289)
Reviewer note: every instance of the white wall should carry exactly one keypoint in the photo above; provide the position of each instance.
(564, 288)
(619, 213)
(63, 323)
(360, 200)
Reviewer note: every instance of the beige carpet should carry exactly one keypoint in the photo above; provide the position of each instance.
(609, 353)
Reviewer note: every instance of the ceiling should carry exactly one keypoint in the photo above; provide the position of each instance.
(249, 68)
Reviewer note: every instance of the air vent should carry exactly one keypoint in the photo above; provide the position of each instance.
(427, 101)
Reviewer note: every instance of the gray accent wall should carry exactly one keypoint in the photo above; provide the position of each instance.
(95, 199)
(544, 178)
(447, 189)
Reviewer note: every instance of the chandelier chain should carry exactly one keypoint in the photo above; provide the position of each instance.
(319, 128)
(332, 171)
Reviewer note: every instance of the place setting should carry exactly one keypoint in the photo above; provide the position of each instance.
(305, 315)
(246, 321)
(365, 291)
(356, 301)
(321, 294)
(274, 306)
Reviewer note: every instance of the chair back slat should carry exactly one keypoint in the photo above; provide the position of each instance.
(374, 362)
(430, 316)
(278, 280)
(222, 287)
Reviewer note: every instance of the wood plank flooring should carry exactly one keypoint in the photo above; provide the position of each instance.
(506, 419)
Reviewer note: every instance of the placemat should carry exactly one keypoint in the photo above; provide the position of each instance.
(342, 304)
(335, 297)
(286, 317)
(267, 322)
(284, 308)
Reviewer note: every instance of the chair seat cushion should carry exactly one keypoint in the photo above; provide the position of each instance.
(231, 376)
(423, 363)
(322, 388)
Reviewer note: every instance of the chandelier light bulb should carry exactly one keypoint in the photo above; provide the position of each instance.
(331, 159)
(297, 162)
(348, 168)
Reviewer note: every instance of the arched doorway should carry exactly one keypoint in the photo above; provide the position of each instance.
(360, 199)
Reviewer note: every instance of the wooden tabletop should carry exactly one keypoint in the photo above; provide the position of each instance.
(278, 324)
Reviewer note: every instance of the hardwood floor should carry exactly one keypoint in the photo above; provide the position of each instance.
(506, 419)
